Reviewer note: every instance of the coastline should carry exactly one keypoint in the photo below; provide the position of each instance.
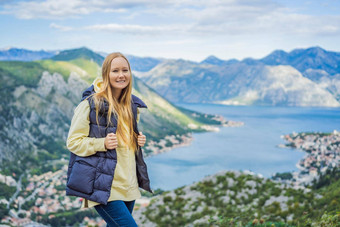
(154, 148)
(160, 147)
(321, 154)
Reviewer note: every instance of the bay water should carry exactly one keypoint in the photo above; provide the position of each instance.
(253, 146)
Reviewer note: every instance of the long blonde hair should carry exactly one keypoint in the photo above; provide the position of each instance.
(120, 107)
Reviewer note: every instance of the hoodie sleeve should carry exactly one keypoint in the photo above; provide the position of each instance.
(78, 141)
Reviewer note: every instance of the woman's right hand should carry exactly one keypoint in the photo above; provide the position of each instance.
(111, 141)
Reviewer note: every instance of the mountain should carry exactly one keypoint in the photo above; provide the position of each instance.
(83, 52)
(314, 63)
(279, 86)
(304, 59)
(269, 81)
(220, 81)
(139, 64)
(212, 60)
(236, 84)
(16, 54)
(327, 82)
(143, 64)
(234, 198)
(35, 122)
(277, 57)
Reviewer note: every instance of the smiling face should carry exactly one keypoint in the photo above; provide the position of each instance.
(120, 75)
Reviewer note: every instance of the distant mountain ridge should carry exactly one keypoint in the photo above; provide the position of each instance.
(83, 52)
(212, 60)
(140, 64)
(304, 59)
(143, 64)
(301, 59)
(274, 80)
(17, 54)
(232, 82)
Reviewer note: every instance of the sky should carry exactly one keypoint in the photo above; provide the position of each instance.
(187, 29)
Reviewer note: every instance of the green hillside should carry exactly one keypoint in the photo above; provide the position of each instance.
(86, 69)
(23, 73)
(51, 104)
(85, 53)
(29, 73)
(239, 199)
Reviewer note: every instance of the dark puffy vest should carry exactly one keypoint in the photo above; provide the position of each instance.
(91, 177)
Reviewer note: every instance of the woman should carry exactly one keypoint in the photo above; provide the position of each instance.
(106, 163)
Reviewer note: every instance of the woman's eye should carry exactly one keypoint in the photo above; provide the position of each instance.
(115, 71)
(125, 70)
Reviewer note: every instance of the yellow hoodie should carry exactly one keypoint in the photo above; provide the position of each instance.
(124, 185)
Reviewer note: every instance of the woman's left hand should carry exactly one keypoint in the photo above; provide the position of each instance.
(141, 139)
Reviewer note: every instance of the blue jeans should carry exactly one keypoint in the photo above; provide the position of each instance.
(117, 213)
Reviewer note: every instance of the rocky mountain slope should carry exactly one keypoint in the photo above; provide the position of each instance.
(143, 64)
(304, 59)
(38, 102)
(17, 54)
(238, 84)
(300, 78)
(233, 198)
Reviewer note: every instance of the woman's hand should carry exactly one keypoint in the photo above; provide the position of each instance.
(141, 139)
(111, 141)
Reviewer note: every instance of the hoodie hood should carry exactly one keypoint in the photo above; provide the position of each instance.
(97, 85)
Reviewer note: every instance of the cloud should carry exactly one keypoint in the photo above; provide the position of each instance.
(247, 19)
(299, 24)
(138, 29)
(51, 9)
(61, 9)
(186, 17)
(129, 29)
(61, 27)
(271, 24)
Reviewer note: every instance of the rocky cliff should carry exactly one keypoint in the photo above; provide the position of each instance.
(300, 78)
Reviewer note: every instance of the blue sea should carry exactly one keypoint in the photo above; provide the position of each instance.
(252, 146)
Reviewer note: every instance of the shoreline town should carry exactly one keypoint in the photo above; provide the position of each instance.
(322, 153)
